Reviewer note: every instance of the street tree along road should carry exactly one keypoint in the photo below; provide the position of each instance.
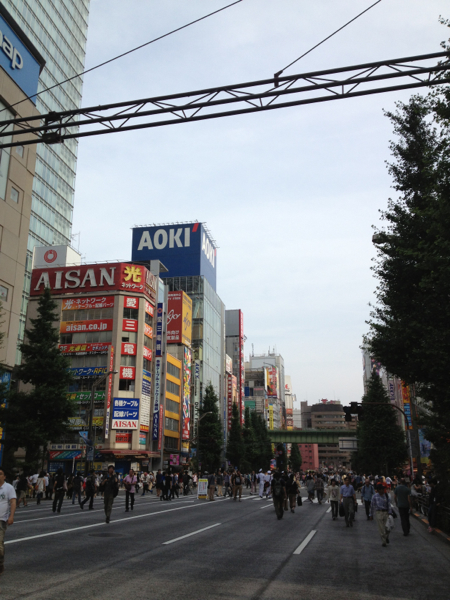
(197, 550)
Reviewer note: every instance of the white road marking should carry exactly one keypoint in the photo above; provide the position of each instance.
(329, 510)
(189, 534)
(153, 514)
(305, 542)
(266, 506)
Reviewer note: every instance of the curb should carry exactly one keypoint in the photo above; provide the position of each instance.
(439, 532)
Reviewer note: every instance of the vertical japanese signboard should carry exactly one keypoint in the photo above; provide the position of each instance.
(241, 377)
(186, 393)
(159, 329)
(161, 418)
(229, 399)
(5, 379)
(109, 392)
(407, 404)
(144, 422)
(270, 417)
(156, 403)
(196, 395)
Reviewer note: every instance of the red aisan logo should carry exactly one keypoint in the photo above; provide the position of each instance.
(50, 256)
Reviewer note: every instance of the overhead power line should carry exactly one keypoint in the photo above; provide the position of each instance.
(106, 62)
(276, 76)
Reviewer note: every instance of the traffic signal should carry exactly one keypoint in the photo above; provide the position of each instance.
(348, 413)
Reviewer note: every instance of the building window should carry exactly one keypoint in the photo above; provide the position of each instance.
(126, 385)
(3, 293)
(172, 388)
(170, 443)
(131, 313)
(19, 151)
(172, 406)
(173, 370)
(171, 424)
(15, 195)
(147, 365)
(127, 361)
(129, 336)
(149, 319)
(147, 341)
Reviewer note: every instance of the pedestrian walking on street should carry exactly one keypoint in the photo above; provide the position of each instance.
(237, 483)
(434, 500)
(219, 481)
(110, 488)
(278, 487)
(7, 510)
(159, 484)
(40, 487)
(292, 491)
(333, 497)
(130, 489)
(226, 482)
(59, 489)
(348, 498)
(380, 508)
(77, 484)
(367, 492)
(91, 486)
(319, 488)
(211, 485)
(402, 495)
(261, 480)
(311, 486)
(22, 488)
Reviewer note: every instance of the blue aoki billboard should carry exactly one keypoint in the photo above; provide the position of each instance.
(18, 57)
(185, 249)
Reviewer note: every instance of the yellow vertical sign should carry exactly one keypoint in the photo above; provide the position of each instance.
(270, 417)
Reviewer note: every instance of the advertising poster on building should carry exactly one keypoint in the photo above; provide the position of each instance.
(186, 394)
(425, 448)
(96, 325)
(271, 376)
(85, 349)
(241, 377)
(87, 303)
(158, 371)
(228, 364)
(125, 414)
(85, 397)
(159, 328)
(229, 399)
(270, 417)
(109, 392)
(128, 349)
(131, 302)
(202, 489)
(87, 372)
(407, 404)
(289, 418)
(144, 423)
(196, 396)
(179, 319)
(94, 279)
(161, 421)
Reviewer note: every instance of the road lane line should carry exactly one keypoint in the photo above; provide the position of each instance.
(329, 510)
(266, 506)
(190, 534)
(305, 542)
(153, 514)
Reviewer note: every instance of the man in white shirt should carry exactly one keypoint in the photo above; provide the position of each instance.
(7, 510)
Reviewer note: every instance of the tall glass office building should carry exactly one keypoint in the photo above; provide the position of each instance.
(58, 30)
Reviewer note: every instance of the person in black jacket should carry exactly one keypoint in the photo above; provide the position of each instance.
(59, 489)
(110, 488)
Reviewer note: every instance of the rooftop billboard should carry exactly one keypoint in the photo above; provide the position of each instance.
(185, 249)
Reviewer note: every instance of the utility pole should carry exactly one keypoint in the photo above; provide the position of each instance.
(90, 442)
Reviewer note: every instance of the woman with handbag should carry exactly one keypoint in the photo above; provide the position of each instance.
(130, 489)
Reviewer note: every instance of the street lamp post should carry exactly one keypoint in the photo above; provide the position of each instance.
(90, 441)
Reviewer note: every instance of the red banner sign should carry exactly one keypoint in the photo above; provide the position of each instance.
(147, 353)
(131, 302)
(129, 325)
(161, 425)
(149, 309)
(85, 349)
(148, 331)
(127, 373)
(123, 437)
(84, 303)
(109, 394)
(92, 278)
(86, 326)
(128, 349)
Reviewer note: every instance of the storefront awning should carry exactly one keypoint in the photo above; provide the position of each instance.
(135, 453)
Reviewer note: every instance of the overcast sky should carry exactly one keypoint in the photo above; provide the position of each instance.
(290, 195)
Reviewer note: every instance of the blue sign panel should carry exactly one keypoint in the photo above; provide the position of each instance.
(155, 424)
(18, 61)
(88, 371)
(184, 249)
(126, 408)
(159, 328)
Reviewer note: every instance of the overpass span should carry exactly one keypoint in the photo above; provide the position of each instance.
(309, 436)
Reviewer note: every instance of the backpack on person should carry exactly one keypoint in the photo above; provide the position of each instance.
(277, 488)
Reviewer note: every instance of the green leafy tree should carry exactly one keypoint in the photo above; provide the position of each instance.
(235, 446)
(40, 414)
(263, 446)
(410, 325)
(382, 448)
(248, 434)
(295, 460)
(209, 446)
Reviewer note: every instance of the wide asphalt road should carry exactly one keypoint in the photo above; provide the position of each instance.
(194, 550)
